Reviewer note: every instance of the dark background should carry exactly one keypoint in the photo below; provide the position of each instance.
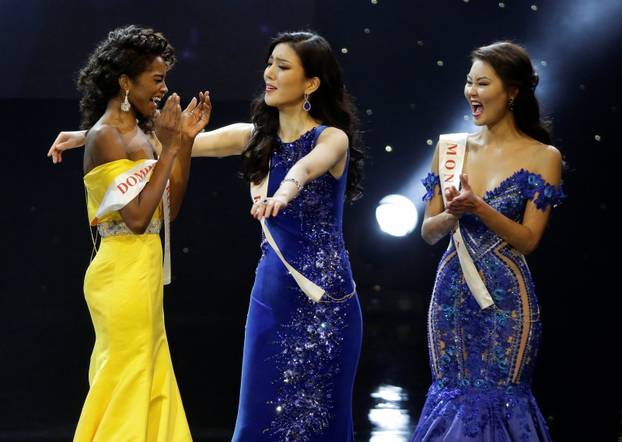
(405, 63)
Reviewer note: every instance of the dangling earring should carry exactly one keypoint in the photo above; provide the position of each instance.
(125, 106)
(306, 105)
(511, 105)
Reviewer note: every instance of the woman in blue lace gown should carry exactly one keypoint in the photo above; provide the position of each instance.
(482, 360)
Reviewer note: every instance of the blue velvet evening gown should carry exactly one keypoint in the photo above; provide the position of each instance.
(482, 361)
(300, 357)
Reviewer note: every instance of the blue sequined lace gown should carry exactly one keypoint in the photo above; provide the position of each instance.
(300, 357)
(482, 361)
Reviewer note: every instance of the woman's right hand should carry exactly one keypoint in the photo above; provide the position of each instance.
(168, 125)
(65, 140)
(452, 193)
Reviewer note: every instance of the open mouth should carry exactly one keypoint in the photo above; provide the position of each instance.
(156, 101)
(476, 109)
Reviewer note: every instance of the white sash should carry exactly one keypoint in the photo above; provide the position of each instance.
(125, 187)
(309, 288)
(452, 150)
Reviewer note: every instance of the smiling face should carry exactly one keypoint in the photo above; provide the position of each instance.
(147, 88)
(486, 94)
(285, 78)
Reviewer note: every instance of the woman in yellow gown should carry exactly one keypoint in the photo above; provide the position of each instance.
(133, 393)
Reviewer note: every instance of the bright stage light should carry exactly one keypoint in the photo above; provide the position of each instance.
(389, 417)
(396, 215)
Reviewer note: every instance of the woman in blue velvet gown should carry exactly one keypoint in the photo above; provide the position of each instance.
(300, 356)
(303, 334)
(482, 360)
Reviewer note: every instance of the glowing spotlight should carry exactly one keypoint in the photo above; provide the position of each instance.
(389, 417)
(390, 421)
(344, 50)
(390, 393)
(388, 148)
(396, 215)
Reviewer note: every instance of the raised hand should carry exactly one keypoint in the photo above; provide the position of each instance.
(168, 124)
(466, 202)
(64, 141)
(196, 115)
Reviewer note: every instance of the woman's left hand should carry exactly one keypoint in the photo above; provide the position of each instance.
(466, 202)
(196, 115)
(268, 207)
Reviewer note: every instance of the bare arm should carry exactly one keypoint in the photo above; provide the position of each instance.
(66, 140)
(524, 236)
(180, 175)
(330, 150)
(222, 142)
(225, 141)
(437, 222)
(193, 119)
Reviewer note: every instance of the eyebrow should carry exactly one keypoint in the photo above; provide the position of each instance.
(278, 59)
(483, 77)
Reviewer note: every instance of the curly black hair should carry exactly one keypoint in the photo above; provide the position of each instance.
(331, 104)
(128, 50)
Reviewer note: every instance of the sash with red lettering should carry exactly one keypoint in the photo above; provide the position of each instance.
(124, 188)
(452, 150)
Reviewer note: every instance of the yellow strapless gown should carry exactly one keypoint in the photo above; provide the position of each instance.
(133, 393)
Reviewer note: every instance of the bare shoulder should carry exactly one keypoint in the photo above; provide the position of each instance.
(335, 137)
(103, 134)
(105, 143)
(551, 153)
(544, 155)
(548, 162)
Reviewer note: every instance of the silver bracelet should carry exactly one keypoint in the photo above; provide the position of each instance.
(295, 181)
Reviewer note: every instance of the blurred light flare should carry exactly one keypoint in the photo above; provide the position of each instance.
(396, 215)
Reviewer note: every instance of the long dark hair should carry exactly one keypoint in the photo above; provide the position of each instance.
(331, 104)
(513, 65)
(128, 50)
